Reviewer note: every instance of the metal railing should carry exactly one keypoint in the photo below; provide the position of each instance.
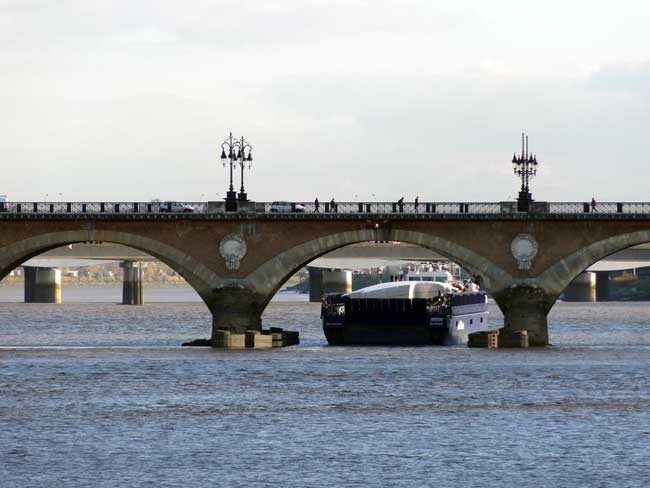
(385, 207)
(101, 207)
(599, 208)
(422, 208)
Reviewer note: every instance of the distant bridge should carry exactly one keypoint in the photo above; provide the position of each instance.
(355, 256)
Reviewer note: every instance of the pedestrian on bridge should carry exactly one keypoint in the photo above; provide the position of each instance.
(417, 203)
(400, 204)
(333, 206)
(316, 206)
(593, 205)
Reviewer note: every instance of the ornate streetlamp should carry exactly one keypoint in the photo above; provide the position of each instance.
(239, 152)
(525, 167)
(245, 157)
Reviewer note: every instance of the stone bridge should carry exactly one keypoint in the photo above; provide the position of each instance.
(237, 261)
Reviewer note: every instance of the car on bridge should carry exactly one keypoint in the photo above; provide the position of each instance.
(175, 207)
(286, 207)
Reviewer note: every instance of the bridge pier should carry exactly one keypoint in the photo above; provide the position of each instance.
(582, 289)
(132, 283)
(602, 286)
(42, 285)
(323, 281)
(526, 308)
(235, 309)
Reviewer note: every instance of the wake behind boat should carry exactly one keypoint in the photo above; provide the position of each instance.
(404, 313)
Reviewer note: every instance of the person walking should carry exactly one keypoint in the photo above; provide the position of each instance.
(332, 206)
(593, 205)
(400, 204)
(316, 206)
(417, 203)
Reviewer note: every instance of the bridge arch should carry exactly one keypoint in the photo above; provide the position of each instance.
(202, 279)
(266, 280)
(558, 276)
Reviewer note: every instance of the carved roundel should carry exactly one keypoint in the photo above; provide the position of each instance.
(232, 248)
(524, 248)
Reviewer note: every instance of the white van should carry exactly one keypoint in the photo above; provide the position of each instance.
(286, 207)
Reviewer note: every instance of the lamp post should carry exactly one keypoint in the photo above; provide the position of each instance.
(525, 167)
(239, 152)
(244, 148)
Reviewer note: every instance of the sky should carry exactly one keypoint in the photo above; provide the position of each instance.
(356, 100)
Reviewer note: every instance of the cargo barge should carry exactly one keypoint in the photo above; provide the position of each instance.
(405, 313)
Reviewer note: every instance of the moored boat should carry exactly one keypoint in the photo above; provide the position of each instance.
(404, 313)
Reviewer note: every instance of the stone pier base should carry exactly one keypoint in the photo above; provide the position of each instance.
(251, 339)
(525, 309)
(255, 339)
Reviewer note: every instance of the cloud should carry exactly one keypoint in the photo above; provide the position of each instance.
(630, 79)
(338, 98)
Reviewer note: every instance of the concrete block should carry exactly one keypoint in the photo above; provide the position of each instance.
(489, 339)
(224, 339)
(262, 341)
(276, 337)
(237, 341)
(290, 338)
(514, 339)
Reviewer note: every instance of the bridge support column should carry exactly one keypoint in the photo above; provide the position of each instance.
(42, 285)
(315, 284)
(235, 309)
(526, 308)
(132, 285)
(582, 288)
(602, 286)
(328, 281)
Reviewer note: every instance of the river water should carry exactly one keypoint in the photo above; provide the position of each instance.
(98, 394)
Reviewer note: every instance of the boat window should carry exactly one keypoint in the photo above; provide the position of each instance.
(414, 278)
(441, 279)
(481, 319)
(427, 278)
(471, 321)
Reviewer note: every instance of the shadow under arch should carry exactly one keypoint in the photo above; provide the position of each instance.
(198, 276)
(558, 276)
(270, 277)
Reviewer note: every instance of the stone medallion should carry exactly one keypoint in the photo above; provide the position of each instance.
(232, 248)
(524, 248)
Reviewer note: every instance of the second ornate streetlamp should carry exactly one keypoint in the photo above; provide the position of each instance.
(525, 167)
(239, 152)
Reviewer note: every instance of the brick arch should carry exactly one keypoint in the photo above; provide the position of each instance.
(202, 279)
(269, 277)
(558, 276)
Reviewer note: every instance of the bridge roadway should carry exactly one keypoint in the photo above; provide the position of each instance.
(236, 261)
